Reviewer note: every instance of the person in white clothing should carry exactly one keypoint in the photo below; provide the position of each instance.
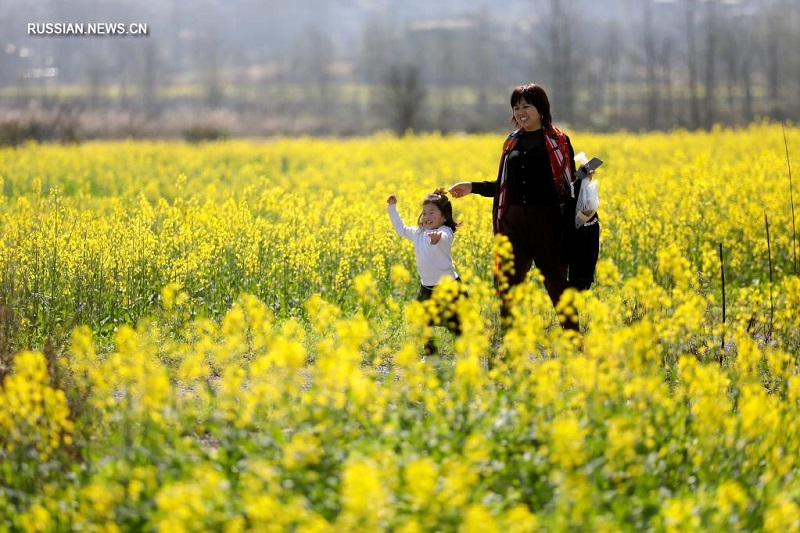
(433, 244)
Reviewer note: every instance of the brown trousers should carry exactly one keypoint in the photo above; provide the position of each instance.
(537, 238)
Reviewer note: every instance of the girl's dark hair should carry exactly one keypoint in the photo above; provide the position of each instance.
(439, 199)
(534, 95)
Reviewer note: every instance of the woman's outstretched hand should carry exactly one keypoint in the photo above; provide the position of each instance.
(392, 199)
(461, 189)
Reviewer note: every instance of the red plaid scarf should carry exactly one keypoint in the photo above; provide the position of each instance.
(501, 195)
(557, 150)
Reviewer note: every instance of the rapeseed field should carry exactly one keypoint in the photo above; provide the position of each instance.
(225, 337)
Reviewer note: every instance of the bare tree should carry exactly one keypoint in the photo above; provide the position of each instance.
(95, 72)
(747, 83)
(691, 62)
(445, 66)
(125, 71)
(611, 58)
(314, 60)
(404, 95)
(378, 44)
(738, 50)
(795, 45)
(664, 60)
(650, 66)
(777, 35)
(149, 78)
(9, 47)
(711, 41)
(483, 63)
(731, 58)
(561, 60)
(208, 61)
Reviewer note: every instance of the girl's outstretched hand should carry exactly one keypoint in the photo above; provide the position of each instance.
(392, 199)
(461, 189)
(435, 236)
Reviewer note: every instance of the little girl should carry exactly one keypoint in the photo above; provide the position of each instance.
(433, 242)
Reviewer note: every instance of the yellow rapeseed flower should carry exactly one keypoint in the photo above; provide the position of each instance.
(421, 478)
(34, 415)
(366, 503)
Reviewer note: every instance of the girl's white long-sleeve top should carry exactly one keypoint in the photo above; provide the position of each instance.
(433, 260)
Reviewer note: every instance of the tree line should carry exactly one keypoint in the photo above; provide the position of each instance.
(666, 64)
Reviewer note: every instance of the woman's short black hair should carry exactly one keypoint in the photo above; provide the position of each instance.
(536, 96)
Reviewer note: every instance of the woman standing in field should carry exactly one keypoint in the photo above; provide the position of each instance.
(433, 244)
(534, 202)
